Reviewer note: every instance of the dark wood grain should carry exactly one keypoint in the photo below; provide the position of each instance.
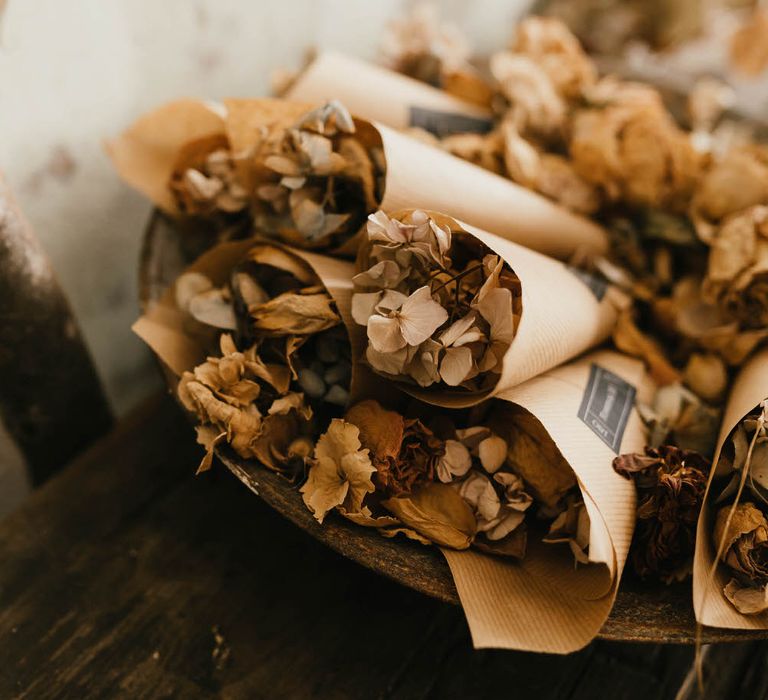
(50, 397)
(119, 574)
(643, 612)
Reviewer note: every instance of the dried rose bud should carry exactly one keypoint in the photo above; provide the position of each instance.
(744, 542)
(670, 488)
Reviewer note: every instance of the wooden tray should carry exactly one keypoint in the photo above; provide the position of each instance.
(643, 612)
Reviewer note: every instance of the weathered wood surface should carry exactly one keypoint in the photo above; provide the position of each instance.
(119, 574)
(50, 397)
(643, 612)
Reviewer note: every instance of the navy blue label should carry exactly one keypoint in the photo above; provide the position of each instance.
(596, 285)
(447, 123)
(606, 405)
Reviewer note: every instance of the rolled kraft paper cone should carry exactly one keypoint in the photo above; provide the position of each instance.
(381, 95)
(181, 345)
(417, 175)
(543, 603)
(420, 175)
(562, 316)
(146, 154)
(710, 605)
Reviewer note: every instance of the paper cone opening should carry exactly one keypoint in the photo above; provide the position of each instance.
(561, 315)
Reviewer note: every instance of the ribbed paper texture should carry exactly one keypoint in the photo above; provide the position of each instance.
(543, 603)
(372, 92)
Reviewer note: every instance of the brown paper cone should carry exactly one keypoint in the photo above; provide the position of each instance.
(381, 95)
(543, 603)
(166, 329)
(562, 317)
(417, 175)
(711, 607)
(145, 154)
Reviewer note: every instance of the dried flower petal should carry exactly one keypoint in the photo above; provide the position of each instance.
(341, 473)
(670, 486)
(436, 511)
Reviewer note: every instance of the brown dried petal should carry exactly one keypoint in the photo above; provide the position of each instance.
(670, 486)
(304, 313)
(341, 473)
(437, 512)
(381, 431)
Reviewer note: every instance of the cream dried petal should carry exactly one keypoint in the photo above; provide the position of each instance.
(384, 274)
(456, 365)
(455, 462)
(188, 286)
(493, 453)
(420, 316)
(385, 333)
(457, 329)
(496, 308)
(477, 490)
(387, 362)
(213, 308)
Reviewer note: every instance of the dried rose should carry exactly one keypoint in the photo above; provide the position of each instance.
(670, 486)
(741, 538)
(548, 173)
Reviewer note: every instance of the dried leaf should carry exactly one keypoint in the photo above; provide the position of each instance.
(304, 313)
(748, 600)
(438, 513)
(572, 527)
(534, 456)
(381, 431)
(630, 339)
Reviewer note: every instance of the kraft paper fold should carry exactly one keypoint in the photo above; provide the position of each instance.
(377, 94)
(543, 603)
(561, 316)
(712, 609)
(181, 343)
(416, 174)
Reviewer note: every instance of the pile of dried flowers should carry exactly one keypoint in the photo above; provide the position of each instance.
(284, 358)
(436, 483)
(437, 308)
(687, 212)
(311, 183)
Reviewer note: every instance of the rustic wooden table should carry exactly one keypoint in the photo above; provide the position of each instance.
(124, 576)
